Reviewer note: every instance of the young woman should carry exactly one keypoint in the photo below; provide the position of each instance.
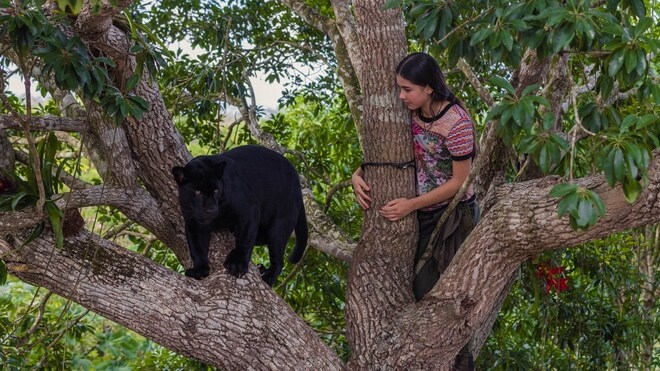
(444, 146)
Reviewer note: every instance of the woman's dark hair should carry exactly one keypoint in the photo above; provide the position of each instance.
(422, 69)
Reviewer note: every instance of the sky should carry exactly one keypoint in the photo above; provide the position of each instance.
(267, 94)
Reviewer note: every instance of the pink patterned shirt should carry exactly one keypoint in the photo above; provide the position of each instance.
(447, 137)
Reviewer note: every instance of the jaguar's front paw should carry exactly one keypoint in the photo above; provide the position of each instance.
(236, 266)
(267, 274)
(197, 273)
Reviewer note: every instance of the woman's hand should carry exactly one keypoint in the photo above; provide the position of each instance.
(361, 189)
(397, 209)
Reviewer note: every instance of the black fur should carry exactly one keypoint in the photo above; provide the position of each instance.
(253, 191)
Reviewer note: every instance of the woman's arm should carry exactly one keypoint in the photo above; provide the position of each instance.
(400, 207)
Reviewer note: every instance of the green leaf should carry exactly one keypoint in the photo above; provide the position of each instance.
(568, 204)
(627, 122)
(495, 112)
(56, 216)
(544, 158)
(537, 38)
(480, 36)
(563, 189)
(562, 38)
(638, 7)
(587, 30)
(528, 144)
(518, 114)
(605, 84)
(418, 10)
(615, 62)
(132, 82)
(641, 62)
(634, 151)
(608, 168)
(423, 24)
(504, 84)
(447, 16)
(17, 198)
(645, 121)
(631, 189)
(548, 120)
(630, 57)
(107, 61)
(507, 40)
(630, 164)
(584, 210)
(562, 144)
(506, 115)
(529, 89)
(598, 202)
(618, 164)
(539, 100)
(644, 24)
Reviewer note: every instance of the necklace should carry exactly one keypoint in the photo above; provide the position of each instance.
(427, 122)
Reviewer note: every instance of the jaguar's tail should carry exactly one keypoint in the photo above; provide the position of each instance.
(301, 237)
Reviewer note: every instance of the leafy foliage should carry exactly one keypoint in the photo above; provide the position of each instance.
(614, 40)
(44, 331)
(583, 206)
(589, 326)
(27, 192)
(68, 60)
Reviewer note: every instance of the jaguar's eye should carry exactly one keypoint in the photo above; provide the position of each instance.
(198, 192)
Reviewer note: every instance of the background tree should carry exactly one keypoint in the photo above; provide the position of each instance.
(567, 90)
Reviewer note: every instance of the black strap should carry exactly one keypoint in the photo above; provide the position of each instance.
(399, 165)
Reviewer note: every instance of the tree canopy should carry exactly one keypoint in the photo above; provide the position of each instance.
(564, 94)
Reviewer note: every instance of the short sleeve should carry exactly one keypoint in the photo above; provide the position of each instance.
(460, 140)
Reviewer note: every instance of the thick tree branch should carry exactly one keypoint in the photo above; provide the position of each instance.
(474, 81)
(522, 224)
(137, 204)
(46, 123)
(217, 320)
(95, 22)
(152, 141)
(324, 234)
(17, 220)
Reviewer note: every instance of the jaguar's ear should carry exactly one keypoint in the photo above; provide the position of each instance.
(179, 174)
(220, 168)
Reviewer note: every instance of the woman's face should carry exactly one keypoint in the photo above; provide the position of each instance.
(412, 95)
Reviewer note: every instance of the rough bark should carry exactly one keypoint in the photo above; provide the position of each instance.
(6, 155)
(236, 324)
(47, 123)
(374, 296)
